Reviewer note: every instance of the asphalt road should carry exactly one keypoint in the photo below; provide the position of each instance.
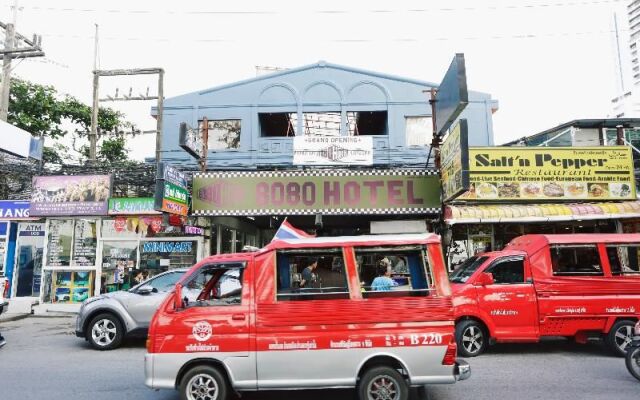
(44, 360)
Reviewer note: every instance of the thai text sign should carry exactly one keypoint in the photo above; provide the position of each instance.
(319, 191)
(132, 206)
(552, 173)
(332, 150)
(70, 195)
(454, 161)
(172, 195)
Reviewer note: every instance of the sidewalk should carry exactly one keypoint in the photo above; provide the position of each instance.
(17, 312)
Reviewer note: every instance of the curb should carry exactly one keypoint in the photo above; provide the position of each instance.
(14, 317)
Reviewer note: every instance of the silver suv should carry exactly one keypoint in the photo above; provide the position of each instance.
(105, 320)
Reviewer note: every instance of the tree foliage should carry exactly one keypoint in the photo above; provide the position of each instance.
(42, 111)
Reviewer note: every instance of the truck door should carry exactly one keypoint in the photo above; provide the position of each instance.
(214, 320)
(511, 300)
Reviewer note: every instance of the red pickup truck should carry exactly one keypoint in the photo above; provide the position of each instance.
(580, 286)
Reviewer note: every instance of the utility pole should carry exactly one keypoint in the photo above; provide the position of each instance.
(93, 135)
(15, 46)
(159, 117)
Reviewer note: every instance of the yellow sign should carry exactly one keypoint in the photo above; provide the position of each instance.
(551, 173)
(454, 161)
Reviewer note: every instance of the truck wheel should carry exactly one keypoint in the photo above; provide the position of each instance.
(471, 338)
(203, 383)
(380, 383)
(620, 337)
(105, 332)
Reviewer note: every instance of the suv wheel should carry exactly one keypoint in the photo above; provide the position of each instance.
(203, 383)
(620, 336)
(382, 383)
(105, 332)
(471, 338)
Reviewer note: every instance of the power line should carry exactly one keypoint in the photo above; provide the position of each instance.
(326, 11)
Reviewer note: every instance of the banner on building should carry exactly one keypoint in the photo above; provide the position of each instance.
(172, 193)
(552, 173)
(132, 206)
(332, 150)
(327, 192)
(70, 195)
(454, 161)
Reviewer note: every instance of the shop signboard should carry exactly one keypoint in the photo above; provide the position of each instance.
(551, 173)
(70, 195)
(132, 206)
(14, 209)
(329, 192)
(452, 95)
(333, 150)
(454, 159)
(172, 193)
(193, 230)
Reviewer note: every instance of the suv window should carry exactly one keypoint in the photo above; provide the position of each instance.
(624, 258)
(392, 271)
(507, 271)
(311, 274)
(166, 282)
(214, 285)
(576, 260)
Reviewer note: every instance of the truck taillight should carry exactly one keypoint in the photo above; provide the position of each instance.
(450, 355)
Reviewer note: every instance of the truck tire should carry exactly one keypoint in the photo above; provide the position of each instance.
(471, 338)
(203, 382)
(382, 383)
(620, 336)
(105, 332)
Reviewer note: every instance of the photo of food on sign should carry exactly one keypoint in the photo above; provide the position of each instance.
(486, 190)
(576, 189)
(552, 189)
(621, 190)
(508, 190)
(531, 190)
(598, 189)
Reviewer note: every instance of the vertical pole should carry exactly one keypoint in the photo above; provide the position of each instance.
(620, 135)
(94, 119)
(159, 117)
(435, 141)
(6, 71)
(93, 139)
(205, 144)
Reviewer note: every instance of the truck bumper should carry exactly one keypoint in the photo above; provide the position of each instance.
(462, 370)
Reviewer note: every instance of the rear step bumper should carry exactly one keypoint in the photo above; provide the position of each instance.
(462, 370)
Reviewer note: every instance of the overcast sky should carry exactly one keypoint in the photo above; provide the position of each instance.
(545, 61)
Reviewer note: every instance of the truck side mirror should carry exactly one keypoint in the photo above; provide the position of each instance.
(485, 279)
(177, 300)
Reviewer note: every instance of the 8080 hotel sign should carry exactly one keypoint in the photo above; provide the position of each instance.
(330, 192)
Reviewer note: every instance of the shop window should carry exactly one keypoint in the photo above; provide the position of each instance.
(68, 286)
(393, 271)
(418, 131)
(624, 259)
(507, 271)
(321, 123)
(215, 285)
(159, 255)
(313, 274)
(119, 263)
(277, 124)
(120, 227)
(367, 123)
(84, 243)
(224, 134)
(575, 260)
(59, 243)
(226, 240)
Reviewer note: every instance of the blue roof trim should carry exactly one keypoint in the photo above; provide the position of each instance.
(319, 64)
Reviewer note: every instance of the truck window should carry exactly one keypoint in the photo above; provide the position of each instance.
(393, 271)
(576, 260)
(311, 274)
(624, 258)
(463, 272)
(214, 285)
(507, 271)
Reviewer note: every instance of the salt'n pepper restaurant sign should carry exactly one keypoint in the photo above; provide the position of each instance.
(328, 192)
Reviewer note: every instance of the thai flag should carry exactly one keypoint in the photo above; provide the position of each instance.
(287, 231)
